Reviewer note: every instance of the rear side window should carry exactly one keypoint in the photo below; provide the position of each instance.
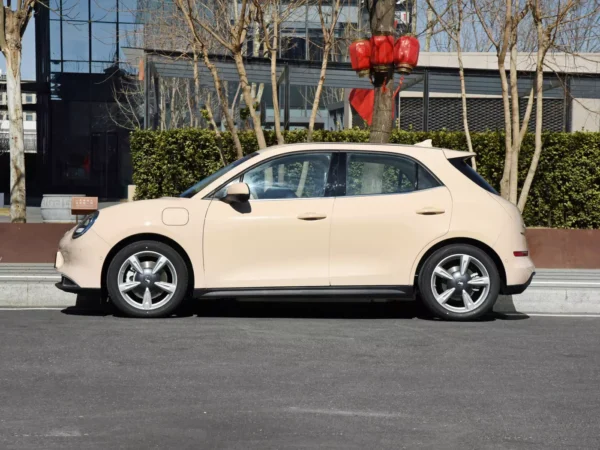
(376, 174)
(467, 171)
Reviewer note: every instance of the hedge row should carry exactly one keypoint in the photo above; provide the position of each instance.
(565, 192)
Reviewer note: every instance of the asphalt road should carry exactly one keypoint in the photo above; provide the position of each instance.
(297, 376)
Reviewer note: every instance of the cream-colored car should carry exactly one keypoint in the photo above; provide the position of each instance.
(321, 219)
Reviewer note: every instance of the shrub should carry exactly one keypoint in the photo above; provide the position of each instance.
(565, 191)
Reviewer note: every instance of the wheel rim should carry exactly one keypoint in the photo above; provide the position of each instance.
(147, 280)
(460, 283)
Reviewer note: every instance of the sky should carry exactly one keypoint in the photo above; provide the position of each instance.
(28, 61)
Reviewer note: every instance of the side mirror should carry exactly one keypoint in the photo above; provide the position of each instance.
(237, 193)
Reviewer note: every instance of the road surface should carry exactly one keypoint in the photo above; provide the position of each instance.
(277, 376)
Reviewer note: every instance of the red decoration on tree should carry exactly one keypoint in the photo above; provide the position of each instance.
(406, 54)
(360, 56)
(382, 52)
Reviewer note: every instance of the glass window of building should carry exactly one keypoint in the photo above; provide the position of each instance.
(103, 10)
(75, 40)
(73, 9)
(104, 41)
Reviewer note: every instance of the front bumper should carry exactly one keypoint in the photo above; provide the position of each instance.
(81, 260)
(517, 288)
(71, 287)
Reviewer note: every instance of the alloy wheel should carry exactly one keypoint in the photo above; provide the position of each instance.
(460, 283)
(147, 280)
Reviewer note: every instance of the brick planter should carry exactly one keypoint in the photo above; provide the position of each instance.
(564, 249)
(30, 242)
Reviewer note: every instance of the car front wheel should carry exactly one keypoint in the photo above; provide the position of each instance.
(459, 282)
(147, 279)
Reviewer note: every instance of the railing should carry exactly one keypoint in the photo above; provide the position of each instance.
(30, 143)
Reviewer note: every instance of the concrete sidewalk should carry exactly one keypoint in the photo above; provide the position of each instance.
(552, 291)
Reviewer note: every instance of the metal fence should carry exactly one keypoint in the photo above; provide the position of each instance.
(30, 143)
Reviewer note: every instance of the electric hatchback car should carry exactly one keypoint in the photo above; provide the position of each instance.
(310, 220)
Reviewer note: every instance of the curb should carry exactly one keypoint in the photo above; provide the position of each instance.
(553, 291)
(556, 291)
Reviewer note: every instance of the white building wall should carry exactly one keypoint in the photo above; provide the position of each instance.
(585, 114)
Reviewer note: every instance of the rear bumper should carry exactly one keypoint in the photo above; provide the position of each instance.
(517, 288)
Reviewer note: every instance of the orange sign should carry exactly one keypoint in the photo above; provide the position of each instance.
(83, 205)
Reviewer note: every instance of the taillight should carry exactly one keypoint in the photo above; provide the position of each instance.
(521, 253)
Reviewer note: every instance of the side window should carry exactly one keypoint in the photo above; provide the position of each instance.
(293, 176)
(373, 174)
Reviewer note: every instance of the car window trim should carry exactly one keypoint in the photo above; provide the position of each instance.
(344, 165)
(240, 176)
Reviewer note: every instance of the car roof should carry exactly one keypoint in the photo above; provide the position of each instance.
(353, 146)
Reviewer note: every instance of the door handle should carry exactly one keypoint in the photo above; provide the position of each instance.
(430, 211)
(312, 216)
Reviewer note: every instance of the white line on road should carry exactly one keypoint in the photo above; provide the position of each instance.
(549, 314)
(31, 277)
(35, 308)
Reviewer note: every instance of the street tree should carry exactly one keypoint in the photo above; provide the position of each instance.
(381, 19)
(13, 23)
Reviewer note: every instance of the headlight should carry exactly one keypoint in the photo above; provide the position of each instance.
(85, 224)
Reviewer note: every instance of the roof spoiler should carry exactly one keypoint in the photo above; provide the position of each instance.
(457, 154)
(425, 143)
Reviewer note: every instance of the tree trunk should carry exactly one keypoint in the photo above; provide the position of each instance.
(209, 113)
(505, 181)
(224, 105)
(539, 83)
(381, 14)
(429, 30)
(501, 49)
(196, 88)
(12, 53)
(317, 98)
(515, 127)
(246, 92)
(276, 112)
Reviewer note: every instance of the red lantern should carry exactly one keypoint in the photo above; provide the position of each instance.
(382, 52)
(406, 54)
(360, 56)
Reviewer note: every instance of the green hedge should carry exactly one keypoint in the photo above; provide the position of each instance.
(565, 192)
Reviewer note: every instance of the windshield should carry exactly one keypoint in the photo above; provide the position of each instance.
(209, 179)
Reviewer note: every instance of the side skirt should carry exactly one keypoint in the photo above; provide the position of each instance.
(294, 293)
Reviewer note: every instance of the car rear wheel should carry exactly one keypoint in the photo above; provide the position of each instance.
(147, 279)
(459, 282)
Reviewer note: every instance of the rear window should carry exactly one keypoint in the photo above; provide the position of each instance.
(466, 169)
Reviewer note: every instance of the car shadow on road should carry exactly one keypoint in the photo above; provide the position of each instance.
(314, 309)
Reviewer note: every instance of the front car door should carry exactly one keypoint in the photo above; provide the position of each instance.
(392, 208)
(280, 237)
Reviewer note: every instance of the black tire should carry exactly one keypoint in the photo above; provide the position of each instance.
(428, 296)
(177, 265)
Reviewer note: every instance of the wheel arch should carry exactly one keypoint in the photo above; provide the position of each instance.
(461, 240)
(146, 237)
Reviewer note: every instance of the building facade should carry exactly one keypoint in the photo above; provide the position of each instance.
(89, 51)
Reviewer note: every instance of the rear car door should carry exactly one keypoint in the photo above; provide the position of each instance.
(281, 236)
(391, 208)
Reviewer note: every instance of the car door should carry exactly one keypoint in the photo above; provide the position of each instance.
(280, 237)
(392, 208)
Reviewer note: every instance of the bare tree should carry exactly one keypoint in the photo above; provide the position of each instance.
(230, 31)
(195, 17)
(550, 19)
(454, 29)
(328, 30)
(13, 23)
